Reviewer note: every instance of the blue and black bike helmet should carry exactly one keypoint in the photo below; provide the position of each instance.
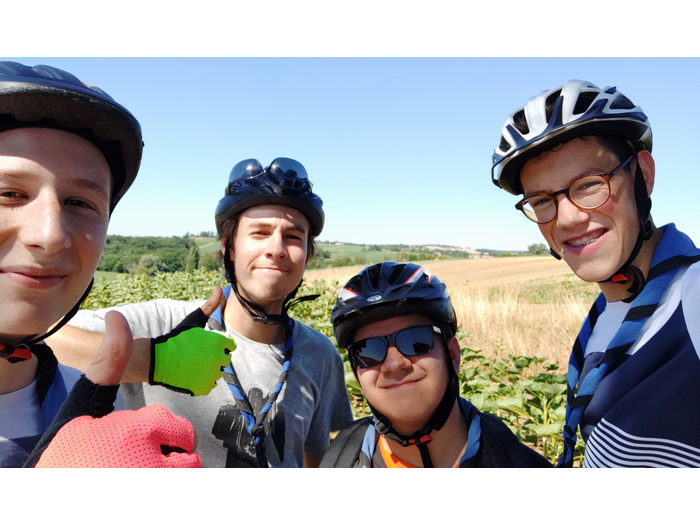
(283, 182)
(386, 290)
(48, 97)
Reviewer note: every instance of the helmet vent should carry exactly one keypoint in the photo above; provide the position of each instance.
(520, 122)
(504, 145)
(621, 102)
(550, 102)
(584, 101)
(395, 273)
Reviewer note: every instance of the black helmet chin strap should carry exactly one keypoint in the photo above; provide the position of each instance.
(422, 437)
(256, 311)
(23, 351)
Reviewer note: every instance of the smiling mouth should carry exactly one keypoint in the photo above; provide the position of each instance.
(583, 241)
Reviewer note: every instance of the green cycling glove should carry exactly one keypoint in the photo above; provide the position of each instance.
(190, 359)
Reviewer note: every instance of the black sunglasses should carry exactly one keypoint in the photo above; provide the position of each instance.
(411, 342)
(280, 167)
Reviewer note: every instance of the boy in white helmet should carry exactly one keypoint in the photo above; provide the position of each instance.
(581, 156)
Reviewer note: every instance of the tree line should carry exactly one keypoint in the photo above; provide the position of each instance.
(148, 255)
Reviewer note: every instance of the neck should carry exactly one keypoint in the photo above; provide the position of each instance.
(240, 320)
(15, 376)
(446, 448)
(617, 292)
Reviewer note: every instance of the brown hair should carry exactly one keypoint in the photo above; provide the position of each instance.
(228, 234)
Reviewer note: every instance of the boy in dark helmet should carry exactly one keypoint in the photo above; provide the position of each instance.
(398, 324)
(68, 153)
(581, 156)
(284, 391)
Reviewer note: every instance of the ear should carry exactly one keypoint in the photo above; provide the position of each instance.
(646, 163)
(455, 353)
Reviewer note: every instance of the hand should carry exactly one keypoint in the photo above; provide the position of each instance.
(150, 437)
(190, 359)
(85, 434)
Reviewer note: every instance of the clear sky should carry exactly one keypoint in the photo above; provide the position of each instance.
(399, 149)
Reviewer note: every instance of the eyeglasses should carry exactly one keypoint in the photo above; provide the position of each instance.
(587, 193)
(411, 342)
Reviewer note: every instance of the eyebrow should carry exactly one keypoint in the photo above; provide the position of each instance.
(256, 223)
(586, 173)
(21, 175)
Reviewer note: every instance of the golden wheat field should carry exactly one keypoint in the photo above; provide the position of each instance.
(530, 306)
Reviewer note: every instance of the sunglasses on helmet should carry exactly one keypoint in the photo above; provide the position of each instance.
(280, 167)
(410, 342)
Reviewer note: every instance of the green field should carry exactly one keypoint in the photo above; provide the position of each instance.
(207, 244)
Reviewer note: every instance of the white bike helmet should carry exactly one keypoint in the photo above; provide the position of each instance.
(575, 109)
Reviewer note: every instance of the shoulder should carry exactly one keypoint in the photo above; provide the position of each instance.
(309, 336)
(501, 448)
(690, 300)
(344, 450)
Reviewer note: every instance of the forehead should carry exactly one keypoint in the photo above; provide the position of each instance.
(65, 155)
(558, 166)
(389, 326)
(275, 212)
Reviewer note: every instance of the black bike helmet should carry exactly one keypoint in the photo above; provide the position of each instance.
(48, 97)
(387, 290)
(283, 182)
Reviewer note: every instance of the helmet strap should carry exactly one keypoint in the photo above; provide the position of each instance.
(627, 272)
(422, 437)
(256, 311)
(23, 352)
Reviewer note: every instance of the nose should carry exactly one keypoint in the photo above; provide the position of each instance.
(568, 214)
(276, 246)
(45, 226)
(395, 360)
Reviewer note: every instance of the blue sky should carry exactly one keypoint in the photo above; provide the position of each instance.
(399, 149)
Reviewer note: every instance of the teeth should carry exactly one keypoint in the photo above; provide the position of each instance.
(584, 240)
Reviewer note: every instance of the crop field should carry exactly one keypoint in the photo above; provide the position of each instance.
(517, 317)
(527, 306)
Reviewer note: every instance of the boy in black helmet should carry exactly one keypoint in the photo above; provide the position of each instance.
(398, 324)
(284, 391)
(581, 156)
(68, 153)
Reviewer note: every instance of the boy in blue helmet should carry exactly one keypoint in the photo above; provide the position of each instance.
(284, 391)
(581, 156)
(398, 324)
(68, 153)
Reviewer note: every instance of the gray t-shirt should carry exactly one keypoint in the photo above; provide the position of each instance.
(312, 403)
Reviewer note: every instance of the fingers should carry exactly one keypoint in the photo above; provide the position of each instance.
(213, 302)
(107, 367)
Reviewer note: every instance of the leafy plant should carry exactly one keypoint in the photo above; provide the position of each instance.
(525, 392)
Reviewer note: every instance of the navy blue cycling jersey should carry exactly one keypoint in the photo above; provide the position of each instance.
(646, 410)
